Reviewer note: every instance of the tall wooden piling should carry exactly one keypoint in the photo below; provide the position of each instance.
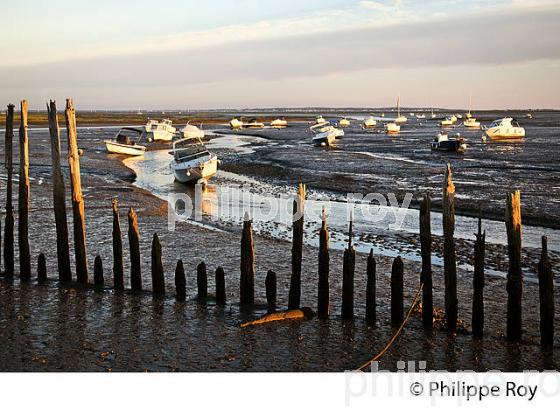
(397, 292)
(247, 282)
(348, 268)
(371, 315)
(9, 224)
(98, 279)
(270, 285)
(77, 198)
(478, 283)
(23, 198)
(118, 264)
(41, 268)
(220, 286)
(180, 282)
(59, 198)
(201, 282)
(515, 275)
(158, 278)
(294, 299)
(546, 297)
(134, 244)
(323, 288)
(449, 256)
(426, 252)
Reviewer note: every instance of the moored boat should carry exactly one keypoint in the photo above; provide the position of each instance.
(449, 121)
(192, 162)
(344, 122)
(401, 119)
(126, 142)
(235, 124)
(369, 122)
(253, 123)
(279, 123)
(392, 128)
(504, 129)
(160, 130)
(443, 143)
(192, 131)
(325, 134)
(320, 120)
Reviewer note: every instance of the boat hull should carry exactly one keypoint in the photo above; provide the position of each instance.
(449, 146)
(160, 135)
(123, 149)
(500, 135)
(192, 174)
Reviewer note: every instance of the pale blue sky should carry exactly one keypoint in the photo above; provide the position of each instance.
(249, 53)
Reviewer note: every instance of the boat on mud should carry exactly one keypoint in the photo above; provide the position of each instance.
(192, 162)
(160, 130)
(442, 142)
(235, 124)
(344, 122)
(449, 121)
(126, 142)
(253, 123)
(320, 120)
(325, 135)
(401, 119)
(279, 123)
(192, 132)
(392, 128)
(504, 129)
(369, 122)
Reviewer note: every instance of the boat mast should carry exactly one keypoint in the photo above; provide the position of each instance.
(398, 106)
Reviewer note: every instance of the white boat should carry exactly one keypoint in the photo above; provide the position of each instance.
(369, 122)
(235, 124)
(420, 116)
(160, 130)
(400, 118)
(529, 115)
(392, 128)
(192, 131)
(443, 143)
(504, 129)
(449, 121)
(344, 122)
(253, 123)
(470, 121)
(126, 142)
(320, 120)
(192, 162)
(325, 135)
(279, 123)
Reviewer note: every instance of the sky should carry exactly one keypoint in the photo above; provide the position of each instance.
(173, 54)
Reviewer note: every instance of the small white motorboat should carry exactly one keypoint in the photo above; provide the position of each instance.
(369, 122)
(443, 143)
(471, 122)
(320, 120)
(235, 124)
(344, 122)
(449, 121)
(160, 130)
(504, 129)
(126, 142)
(253, 123)
(325, 134)
(392, 128)
(279, 123)
(192, 131)
(192, 162)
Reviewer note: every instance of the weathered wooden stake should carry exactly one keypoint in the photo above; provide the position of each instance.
(134, 243)
(98, 279)
(180, 282)
(397, 292)
(546, 293)
(449, 257)
(426, 251)
(41, 268)
(201, 283)
(220, 286)
(270, 284)
(77, 199)
(478, 283)
(247, 283)
(23, 198)
(118, 264)
(370, 290)
(59, 198)
(323, 289)
(158, 278)
(297, 245)
(348, 267)
(515, 275)
(9, 225)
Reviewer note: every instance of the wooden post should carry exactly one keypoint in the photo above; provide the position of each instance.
(478, 283)
(158, 279)
(220, 287)
(449, 257)
(546, 293)
(323, 289)
(134, 243)
(23, 198)
(98, 279)
(515, 275)
(118, 264)
(348, 267)
(41, 268)
(180, 282)
(201, 283)
(270, 284)
(59, 198)
(297, 245)
(397, 304)
(370, 290)
(77, 199)
(9, 225)
(247, 283)
(426, 251)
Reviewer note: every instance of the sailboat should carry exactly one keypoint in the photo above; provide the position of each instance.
(400, 118)
(470, 121)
